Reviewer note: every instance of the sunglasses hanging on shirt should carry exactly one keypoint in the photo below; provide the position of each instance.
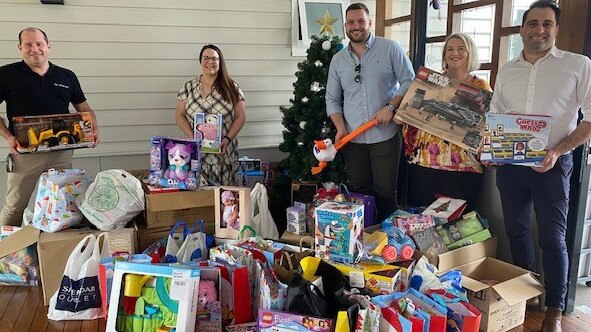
(358, 73)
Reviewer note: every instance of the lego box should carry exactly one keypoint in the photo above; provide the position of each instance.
(338, 227)
(53, 132)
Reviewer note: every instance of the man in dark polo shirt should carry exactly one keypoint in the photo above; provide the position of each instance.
(35, 86)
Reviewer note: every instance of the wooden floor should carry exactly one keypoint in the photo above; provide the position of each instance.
(21, 309)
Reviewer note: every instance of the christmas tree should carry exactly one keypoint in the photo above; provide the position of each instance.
(306, 120)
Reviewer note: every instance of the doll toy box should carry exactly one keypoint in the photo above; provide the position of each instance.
(275, 321)
(208, 130)
(174, 163)
(232, 212)
(339, 226)
(53, 132)
(148, 297)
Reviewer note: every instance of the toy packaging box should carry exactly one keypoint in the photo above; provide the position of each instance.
(209, 308)
(515, 138)
(20, 267)
(232, 211)
(446, 108)
(208, 130)
(174, 163)
(53, 132)
(445, 209)
(148, 297)
(338, 228)
(275, 321)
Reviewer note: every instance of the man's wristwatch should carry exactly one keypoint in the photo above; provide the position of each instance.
(391, 107)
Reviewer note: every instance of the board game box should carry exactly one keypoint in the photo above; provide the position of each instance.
(515, 138)
(446, 108)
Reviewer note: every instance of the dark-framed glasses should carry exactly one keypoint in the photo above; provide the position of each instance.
(212, 59)
(358, 73)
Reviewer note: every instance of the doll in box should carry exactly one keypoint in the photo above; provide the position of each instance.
(230, 211)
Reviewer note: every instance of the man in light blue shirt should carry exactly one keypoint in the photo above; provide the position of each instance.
(367, 80)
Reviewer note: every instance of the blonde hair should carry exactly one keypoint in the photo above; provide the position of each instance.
(472, 63)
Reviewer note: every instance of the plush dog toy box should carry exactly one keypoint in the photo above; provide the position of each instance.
(338, 227)
(174, 163)
(53, 132)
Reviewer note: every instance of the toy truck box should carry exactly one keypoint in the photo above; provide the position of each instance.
(338, 227)
(53, 132)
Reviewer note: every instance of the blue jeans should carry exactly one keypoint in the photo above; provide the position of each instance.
(549, 192)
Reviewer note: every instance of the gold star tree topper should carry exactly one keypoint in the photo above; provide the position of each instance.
(326, 22)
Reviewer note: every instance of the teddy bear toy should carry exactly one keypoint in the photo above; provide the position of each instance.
(179, 161)
(207, 294)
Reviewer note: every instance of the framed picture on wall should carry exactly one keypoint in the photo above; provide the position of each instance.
(316, 17)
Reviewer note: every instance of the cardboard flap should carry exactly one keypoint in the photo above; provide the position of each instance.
(519, 289)
(25, 237)
(473, 285)
(467, 254)
(179, 200)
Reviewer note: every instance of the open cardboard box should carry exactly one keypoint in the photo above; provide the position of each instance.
(165, 209)
(500, 291)
(450, 259)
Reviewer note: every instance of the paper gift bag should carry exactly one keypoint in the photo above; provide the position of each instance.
(55, 203)
(235, 287)
(461, 315)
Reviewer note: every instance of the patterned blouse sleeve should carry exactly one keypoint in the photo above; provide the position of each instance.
(240, 93)
(183, 94)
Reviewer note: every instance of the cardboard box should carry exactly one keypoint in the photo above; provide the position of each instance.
(500, 291)
(338, 227)
(22, 242)
(53, 132)
(165, 209)
(147, 236)
(232, 211)
(183, 288)
(54, 250)
(448, 260)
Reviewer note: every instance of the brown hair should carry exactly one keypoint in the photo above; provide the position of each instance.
(223, 83)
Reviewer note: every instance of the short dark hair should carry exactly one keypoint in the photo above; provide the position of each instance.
(543, 4)
(30, 29)
(356, 6)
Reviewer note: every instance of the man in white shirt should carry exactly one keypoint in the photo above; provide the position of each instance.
(544, 80)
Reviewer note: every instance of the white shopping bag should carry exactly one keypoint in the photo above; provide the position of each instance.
(55, 203)
(112, 200)
(262, 221)
(78, 296)
(194, 248)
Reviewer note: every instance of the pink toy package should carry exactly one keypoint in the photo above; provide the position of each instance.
(208, 130)
(275, 321)
(174, 163)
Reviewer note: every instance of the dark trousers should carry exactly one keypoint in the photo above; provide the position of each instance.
(549, 192)
(373, 170)
(424, 183)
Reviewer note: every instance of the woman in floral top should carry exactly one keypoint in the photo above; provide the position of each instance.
(437, 166)
(214, 92)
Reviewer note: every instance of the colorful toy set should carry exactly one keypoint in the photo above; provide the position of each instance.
(174, 163)
(153, 298)
(53, 132)
(515, 138)
(399, 246)
(208, 131)
(275, 321)
(20, 267)
(339, 226)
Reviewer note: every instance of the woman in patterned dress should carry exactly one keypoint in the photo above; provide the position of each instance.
(214, 92)
(437, 166)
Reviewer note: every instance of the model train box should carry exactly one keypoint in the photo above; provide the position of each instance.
(53, 132)
(515, 138)
(445, 107)
(208, 130)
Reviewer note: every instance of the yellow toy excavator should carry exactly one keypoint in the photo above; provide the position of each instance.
(56, 135)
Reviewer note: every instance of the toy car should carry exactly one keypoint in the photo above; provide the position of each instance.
(56, 135)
